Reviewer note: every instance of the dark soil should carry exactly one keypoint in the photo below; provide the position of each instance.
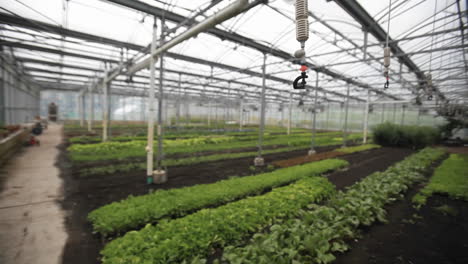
(85, 194)
(412, 236)
(367, 162)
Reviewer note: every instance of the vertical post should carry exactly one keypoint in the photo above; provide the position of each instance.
(80, 108)
(365, 45)
(3, 84)
(419, 116)
(209, 113)
(345, 128)
(178, 103)
(151, 110)
(105, 107)
(314, 116)
(394, 113)
(83, 108)
(160, 175)
(366, 119)
(124, 107)
(403, 114)
(290, 113)
(327, 117)
(383, 114)
(90, 108)
(241, 113)
(259, 161)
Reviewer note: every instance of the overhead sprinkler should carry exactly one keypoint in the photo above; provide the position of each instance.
(302, 35)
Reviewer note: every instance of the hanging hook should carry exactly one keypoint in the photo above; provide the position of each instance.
(387, 83)
(301, 78)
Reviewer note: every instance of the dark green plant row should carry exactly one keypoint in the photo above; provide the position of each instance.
(123, 150)
(176, 240)
(133, 212)
(321, 231)
(389, 134)
(450, 178)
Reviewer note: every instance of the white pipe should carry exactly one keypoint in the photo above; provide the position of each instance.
(221, 16)
(149, 147)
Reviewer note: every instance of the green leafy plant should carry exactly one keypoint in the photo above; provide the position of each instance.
(184, 238)
(137, 211)
(389, 134)
(354, 149)
(450, 178)
(319, 231)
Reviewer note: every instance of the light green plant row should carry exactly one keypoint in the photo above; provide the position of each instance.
(131, 166)
(349, 150)
(320, 231)
(137, 211)
(250, 135)
(198, 233)
(450, 178)
(123, 150)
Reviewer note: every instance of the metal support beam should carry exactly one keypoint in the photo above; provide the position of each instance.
(367, 21)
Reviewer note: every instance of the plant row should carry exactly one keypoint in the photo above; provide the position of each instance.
(132, 166)
(249, 135)
(320, 231)
(450, 178)
(122, 150)
(134, 212)
(197, 234)
(349, 150)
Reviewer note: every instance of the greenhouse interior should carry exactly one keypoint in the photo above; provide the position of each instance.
(233, 131)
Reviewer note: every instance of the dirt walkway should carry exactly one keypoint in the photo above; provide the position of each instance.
(31, 220)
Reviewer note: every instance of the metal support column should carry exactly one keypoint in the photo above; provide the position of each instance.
(259, 161)
(289, 113)
(160, 176)
(3, 84)
(418, 120)
(90, 108)
(314, 116)
(83, 107)
(383, 114)
(366, 119)
(403, 114)
(179, 95)
(105, 108)
(241, 113)
(151, 110)
(79, 108)
(394, 113)
(345, 127)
